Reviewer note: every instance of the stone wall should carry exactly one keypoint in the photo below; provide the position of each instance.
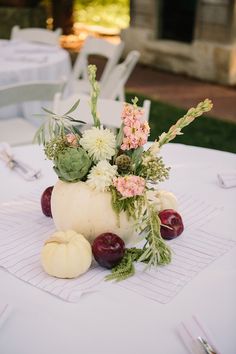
(214, 20)
(210, 56)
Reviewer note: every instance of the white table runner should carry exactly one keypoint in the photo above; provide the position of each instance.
(24, 229)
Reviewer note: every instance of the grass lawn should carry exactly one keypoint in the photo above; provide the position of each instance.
(204, 131)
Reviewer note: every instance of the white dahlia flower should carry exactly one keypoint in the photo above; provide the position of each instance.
(99, 143)
(101, 176)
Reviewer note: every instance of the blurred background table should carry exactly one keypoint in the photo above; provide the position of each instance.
(116, 320)
(22, 62)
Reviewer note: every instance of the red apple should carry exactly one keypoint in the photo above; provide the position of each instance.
(108, 249)
(172, 224)
(46, 201)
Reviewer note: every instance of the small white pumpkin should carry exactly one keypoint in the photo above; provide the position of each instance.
(76, 206)
(163, 200)
(66, 255)
(168, 200)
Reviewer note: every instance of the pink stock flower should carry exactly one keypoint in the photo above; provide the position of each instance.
(127, 111)
(129, 186)
(146, 128)
(72, 139)
(135, 131)
(130, 114)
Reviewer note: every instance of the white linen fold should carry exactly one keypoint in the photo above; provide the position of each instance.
(5, 310)
(227, 179)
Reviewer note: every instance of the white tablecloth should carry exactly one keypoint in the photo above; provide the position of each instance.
(21, 62)
(116, 320)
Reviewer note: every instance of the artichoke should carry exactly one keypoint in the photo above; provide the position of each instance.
(72, 164)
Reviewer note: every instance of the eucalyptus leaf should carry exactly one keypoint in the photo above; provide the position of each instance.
(136, 155)
(47, 110)
(120, 136)
(73, 108)
(39, 115)
(71, 119)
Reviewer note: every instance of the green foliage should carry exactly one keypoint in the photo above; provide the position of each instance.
(72, 164)
(125, 268)
(57, 125)
(156, 251)
(120, 136)
(207, 131)
(153, 168)
(133, 206)
(137, 157)
(54, 147)
(107, 13)
(92, 70)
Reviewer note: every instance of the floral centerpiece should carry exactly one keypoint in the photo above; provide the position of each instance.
(108, 181)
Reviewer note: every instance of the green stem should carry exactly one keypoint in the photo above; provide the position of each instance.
(94, 94)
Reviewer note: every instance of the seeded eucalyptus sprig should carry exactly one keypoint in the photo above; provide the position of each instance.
(92, 69)
(175, 129)
(152, 168)
(57, 125)
(156, 251)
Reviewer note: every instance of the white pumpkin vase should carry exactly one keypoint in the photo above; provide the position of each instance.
(75, 206)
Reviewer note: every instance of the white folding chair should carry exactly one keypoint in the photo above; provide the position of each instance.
(114, 86)
(17, 130)
(109, 110)
(39, 35)
(94, 46)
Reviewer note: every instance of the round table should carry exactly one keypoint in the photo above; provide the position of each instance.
(116, 320)
(22, 62)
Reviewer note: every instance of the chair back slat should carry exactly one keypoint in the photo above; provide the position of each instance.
(39, 35)
(97, 46)
(109, 110)
(114, 86)
(31, 91)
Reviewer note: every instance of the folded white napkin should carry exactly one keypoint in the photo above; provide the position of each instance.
(4, 312)
(189, 332)
(227, 179)
(27, 172)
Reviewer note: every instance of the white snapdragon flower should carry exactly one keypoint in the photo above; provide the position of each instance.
(99, 143)
(101, 176)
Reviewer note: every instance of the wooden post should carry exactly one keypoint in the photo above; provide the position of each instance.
(62, 12)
